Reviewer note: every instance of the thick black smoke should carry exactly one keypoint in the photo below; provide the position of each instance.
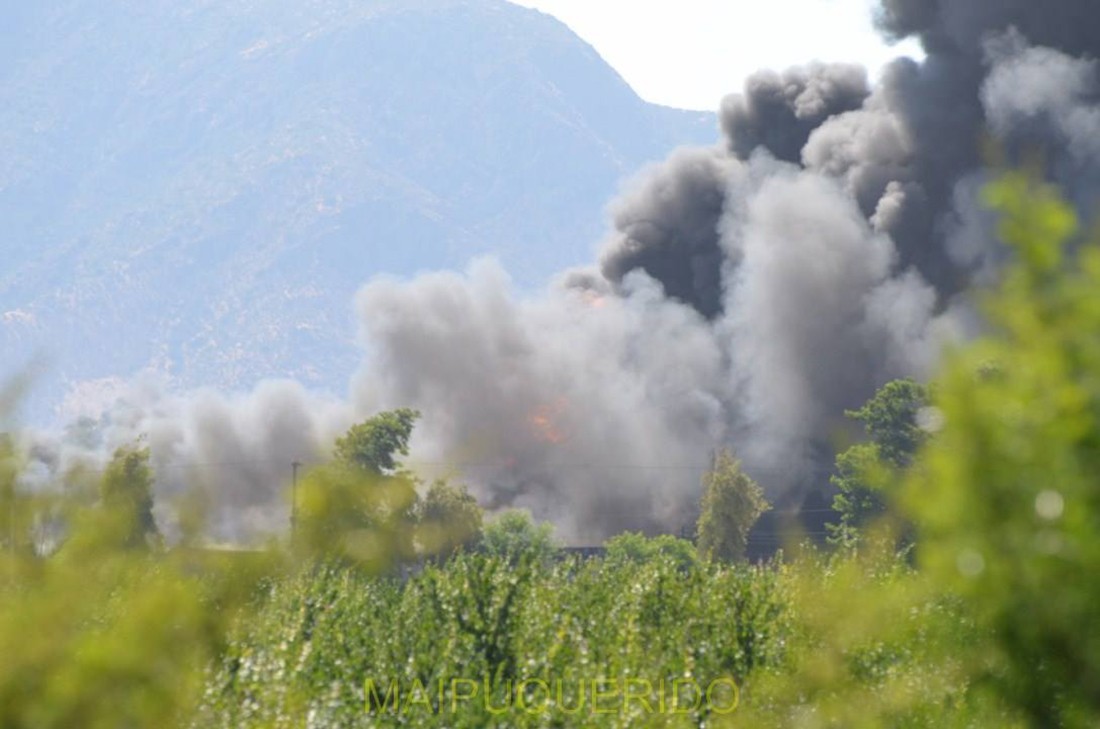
(747, 293)
(824, 246)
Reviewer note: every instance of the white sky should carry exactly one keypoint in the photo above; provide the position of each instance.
(691, 53)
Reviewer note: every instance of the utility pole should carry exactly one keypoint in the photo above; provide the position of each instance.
(294, 466)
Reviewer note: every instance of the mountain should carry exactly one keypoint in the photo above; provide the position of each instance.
(197, 188)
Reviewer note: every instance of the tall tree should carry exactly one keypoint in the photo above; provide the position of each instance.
(731, 504)
(891, 420)
(448, 518)
(374, 444)
(126, 492)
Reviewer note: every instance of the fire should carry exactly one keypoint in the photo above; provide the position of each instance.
(594, 300)
(544, 422)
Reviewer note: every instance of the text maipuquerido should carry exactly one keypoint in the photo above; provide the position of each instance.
(542, 695)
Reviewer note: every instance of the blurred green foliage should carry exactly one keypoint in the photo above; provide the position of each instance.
(356, 516)
(126, 491)
(1007, 495)
(98, 634)
(874, 644)
(15, 508)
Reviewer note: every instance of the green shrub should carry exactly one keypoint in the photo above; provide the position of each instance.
(637, 548)
(513, 536)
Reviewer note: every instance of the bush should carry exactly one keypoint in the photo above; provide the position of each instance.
(513, 536)
(636, 548)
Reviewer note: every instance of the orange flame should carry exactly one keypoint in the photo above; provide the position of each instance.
(594, 300)
(544, 422)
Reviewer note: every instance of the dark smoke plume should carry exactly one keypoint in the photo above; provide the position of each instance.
(824, 246)
(747, 293)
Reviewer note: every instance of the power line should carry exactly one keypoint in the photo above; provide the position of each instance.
(503, 464)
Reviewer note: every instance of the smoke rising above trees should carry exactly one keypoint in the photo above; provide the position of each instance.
(746, 294)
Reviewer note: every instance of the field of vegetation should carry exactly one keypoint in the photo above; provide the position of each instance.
(956, 590)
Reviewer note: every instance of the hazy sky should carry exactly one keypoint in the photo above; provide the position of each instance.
(690, 53)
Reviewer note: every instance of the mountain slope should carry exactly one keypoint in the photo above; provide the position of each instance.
(198, 188)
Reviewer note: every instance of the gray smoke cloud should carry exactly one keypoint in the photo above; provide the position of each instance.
(599, 403)
(232, 451)
(778, 111)
(746, 294)
(824, 244)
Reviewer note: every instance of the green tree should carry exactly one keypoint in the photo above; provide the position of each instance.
(514, 535)
(375, 444)
(859, 480)
(1007, 496)
(448, 518)
(732, 502)
(362, 506)
(891, 420)
(126, 493)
